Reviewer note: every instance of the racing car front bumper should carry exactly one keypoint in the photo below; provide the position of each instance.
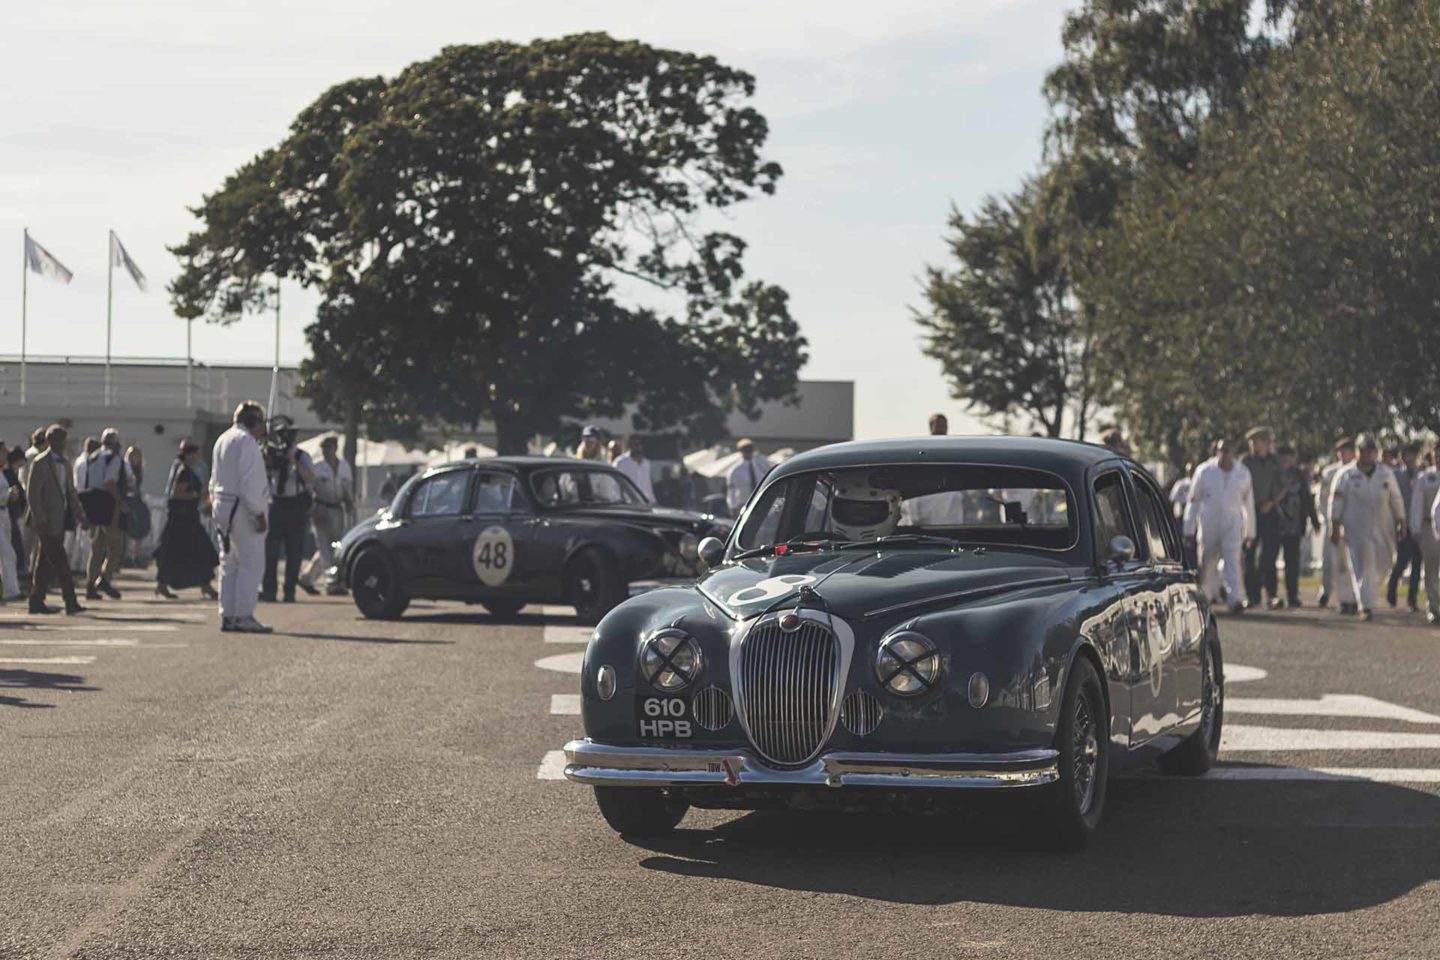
(602, 764)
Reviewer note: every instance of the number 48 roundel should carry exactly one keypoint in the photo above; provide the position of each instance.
(493, 556)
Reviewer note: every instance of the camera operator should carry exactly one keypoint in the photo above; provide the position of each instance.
(238, 489)
(292, 477)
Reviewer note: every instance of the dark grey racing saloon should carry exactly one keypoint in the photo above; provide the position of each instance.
(899, 622)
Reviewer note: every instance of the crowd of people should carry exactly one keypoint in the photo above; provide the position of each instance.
(1376, 510)
(83, 512)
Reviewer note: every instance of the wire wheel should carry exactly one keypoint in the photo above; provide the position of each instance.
(1085, 751)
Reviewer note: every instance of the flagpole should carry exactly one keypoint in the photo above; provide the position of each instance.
(24, 307)
(189, 366)
(109, 308)
(275, 370)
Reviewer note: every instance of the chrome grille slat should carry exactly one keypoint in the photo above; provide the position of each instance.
(787, 690)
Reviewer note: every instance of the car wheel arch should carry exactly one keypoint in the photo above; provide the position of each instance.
(1086, 648)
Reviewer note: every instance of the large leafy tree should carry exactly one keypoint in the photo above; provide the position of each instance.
(1003, 323)
(477, 227)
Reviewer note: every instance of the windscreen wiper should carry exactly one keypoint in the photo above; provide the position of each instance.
(797, 543)
(902, 538)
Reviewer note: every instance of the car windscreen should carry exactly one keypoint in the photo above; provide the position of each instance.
(973, 504)
(569, 488)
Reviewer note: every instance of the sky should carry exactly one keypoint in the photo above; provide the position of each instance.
(120, 114)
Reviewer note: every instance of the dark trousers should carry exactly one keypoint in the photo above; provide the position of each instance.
(288, 518)
(1406, 552)
(1260, 558)
(1290, 549)
(51, 565)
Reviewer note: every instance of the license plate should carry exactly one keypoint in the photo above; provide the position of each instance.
(664, 718)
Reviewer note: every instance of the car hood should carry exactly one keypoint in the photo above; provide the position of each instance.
(856, 584)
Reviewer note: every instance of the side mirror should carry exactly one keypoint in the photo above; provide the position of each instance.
(1122, 550)
(712, 551)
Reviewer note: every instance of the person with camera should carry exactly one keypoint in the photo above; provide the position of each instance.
(334, 484)
(292, 477)
(240, 493)
(107, 482)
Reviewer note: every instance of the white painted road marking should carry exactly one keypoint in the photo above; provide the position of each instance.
(92, 626)
(565, 704)
(1239, 673)
(563, 662)
(1330, 705)
(1279, 739)
(552, 767)
(556, 633)
(93, 615)
(104, 642)
(74, 661)
(1372, 774)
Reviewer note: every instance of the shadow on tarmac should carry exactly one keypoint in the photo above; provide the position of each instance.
(38, 680)
(351, 638)
(1171, 848)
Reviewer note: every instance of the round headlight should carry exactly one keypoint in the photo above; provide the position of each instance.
(689, 547)
(671, 661)
(907, 663)
(605, 682)
(978, 690)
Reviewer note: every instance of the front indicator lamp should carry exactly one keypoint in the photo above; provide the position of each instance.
(907, 663)
(671, 661)
(605, 682)
(978, 690)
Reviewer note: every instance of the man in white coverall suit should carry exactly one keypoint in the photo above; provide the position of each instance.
(1220, 519)
(241, 494)
(1367, 510)
(1423, 500)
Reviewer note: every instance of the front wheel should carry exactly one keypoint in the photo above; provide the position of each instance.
(1201, 749)
(594, 585)
(640, 811)
(376, 587)
(1073, 806)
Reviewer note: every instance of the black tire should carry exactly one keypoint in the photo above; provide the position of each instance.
(1073, 806)
(1195, 756)
(640, 811)
(502, 609)
(375, 585)
(594, 585)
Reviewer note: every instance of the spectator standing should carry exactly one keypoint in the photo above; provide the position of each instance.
(1366, 510)
(334, 506)
(745, 476)
(77, 547)
(1264, 550)
(186, 556)
(1427, 536)
(1407, 551)
(239, 490)
(939, 425)
(1180, 492)
(291, 479)
(1334, 558)
(1220, 522)
(1114, 439)
(591, 447)
(53, 508)
(634, 465)
(9, 574)
(16, 501)
(37, 446)
(1296, 509)
(106, 472)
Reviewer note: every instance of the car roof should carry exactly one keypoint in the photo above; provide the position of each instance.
(1065, 457)
(524, 463)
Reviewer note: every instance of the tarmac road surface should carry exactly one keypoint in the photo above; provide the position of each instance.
(347, 788)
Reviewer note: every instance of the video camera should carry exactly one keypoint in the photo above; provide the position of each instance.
(280, 436)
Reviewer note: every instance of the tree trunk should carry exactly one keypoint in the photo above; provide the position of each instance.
(511, 436)
(352, 432)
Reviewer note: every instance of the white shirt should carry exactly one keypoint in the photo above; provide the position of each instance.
(293, 480)
(945, 509)
(1220, 498)
(1367, 507)
(238, 474)
(102, 467)
(333, 486)
(639, 472)
(1179, 497)
(742, 480)
(1423, 499)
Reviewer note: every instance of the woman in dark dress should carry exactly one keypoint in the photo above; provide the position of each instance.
(186, 557)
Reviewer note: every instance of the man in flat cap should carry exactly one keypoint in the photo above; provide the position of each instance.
(1268, 476)
(1366, 509)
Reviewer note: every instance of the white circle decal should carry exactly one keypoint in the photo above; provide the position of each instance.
(771, 589)
(493, 556)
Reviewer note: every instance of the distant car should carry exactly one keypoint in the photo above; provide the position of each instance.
(507, 531)
(903, 621)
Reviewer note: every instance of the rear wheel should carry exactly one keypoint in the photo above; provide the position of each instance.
(640, 811)
(376, 586)
(1073, 806)
(503, 609)
(594, 585)
(1200, 750)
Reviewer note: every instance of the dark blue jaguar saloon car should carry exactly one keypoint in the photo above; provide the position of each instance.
(904, 621)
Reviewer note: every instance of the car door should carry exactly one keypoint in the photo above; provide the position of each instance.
(1115, 516)
(500, 540)
(430, 546)
(1183, 627)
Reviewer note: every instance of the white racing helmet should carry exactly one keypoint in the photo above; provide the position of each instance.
(860, 511)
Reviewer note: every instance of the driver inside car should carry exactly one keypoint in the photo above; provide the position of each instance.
(859, 511)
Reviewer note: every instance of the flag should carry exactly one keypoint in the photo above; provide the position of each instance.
(43, 262)
(121, 258)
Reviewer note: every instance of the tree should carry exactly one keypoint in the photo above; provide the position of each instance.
(471, 224)
(1003, 323)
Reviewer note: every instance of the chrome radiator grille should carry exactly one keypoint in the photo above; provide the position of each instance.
(787, 689)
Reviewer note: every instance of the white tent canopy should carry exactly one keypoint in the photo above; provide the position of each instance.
(369, 453)
(719, 461)
(455, 450)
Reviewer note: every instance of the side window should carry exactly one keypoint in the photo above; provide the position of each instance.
(1159, 535)
(495, 493)
(1112, 516)
(764, 522)
(556, 488)
(442, 495)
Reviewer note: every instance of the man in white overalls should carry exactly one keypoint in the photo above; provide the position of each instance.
(1367, 511)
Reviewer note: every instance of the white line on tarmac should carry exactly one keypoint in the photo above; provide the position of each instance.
(1330, 705)
(53, 660)
(563, 662)
(555, 633)
(565, 704)
(1239, 673)
(552, 767)
(554, 610)
(96, 614)
(92, 626)
(1240, 738)
(103, 642)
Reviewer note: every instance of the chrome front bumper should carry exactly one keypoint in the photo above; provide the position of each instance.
(605, 765)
